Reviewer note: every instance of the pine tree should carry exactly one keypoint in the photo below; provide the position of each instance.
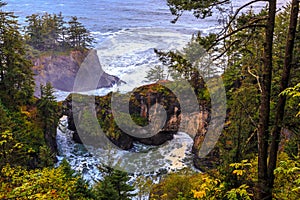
(46, 32)
(34, 31)
(16, 77)
(114, 186)
(267, 152)
(49, 115)
(156, 74)
(78, 35)
(47, 106)
(62, 29)
(50, 32)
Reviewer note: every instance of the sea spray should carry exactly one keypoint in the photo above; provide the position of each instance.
(172, 156)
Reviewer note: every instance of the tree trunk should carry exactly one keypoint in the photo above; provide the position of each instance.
(263, 192)
(288, 59)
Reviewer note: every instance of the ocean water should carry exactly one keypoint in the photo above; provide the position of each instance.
(150, 161)
(127, 32)
(107, 16)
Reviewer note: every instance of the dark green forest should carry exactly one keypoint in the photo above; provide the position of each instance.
(257, 154)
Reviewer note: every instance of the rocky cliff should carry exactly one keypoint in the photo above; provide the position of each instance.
(139, 105)
(60, 70)
(140, 102)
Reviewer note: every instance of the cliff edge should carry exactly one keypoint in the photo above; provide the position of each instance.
(61, 70)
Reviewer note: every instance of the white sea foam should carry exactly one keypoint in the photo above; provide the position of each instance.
(129, 54)
(153, 160)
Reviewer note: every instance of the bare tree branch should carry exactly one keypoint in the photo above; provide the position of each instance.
(234, 32)
(257, 78)
(237, 12)
(226, 49)
(249, 138)
(251, 119)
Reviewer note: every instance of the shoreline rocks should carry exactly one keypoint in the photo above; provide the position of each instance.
(60, 69)
(140, 102)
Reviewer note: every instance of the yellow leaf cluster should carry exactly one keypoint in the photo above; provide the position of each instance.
(199, 194)
(46, 183)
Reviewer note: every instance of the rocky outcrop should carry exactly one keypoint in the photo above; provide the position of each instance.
(158, 139)
(50, 138)
(196, 124)
(60, 69)
(139, 106)
(143, 110)
(79, 111)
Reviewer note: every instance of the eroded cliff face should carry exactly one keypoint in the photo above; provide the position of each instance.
(89, 117)
(196, 125)
(61, 69)
(143, 109)
(139, 103)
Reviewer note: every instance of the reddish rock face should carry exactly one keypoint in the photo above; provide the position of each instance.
(140, 102)
(195, 123)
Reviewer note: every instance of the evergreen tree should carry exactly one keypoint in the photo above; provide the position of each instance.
(242, 25)
(16, 77)
(49, 115)
(156, 74)
(62, 29)
(34, 31)
(46, 32)
(78, 35)
(51, 32)
(48, 107)
(114, 186)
